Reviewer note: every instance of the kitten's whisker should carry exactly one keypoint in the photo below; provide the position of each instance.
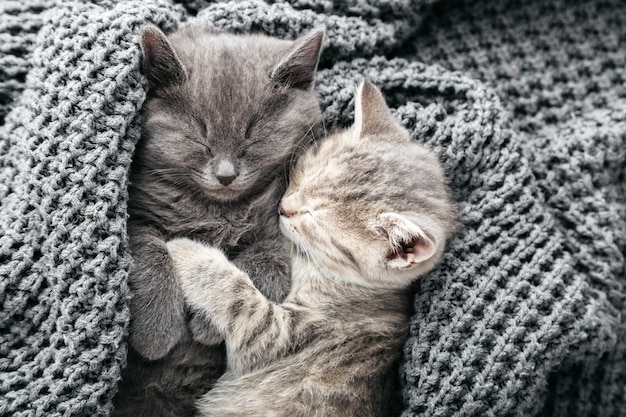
(172, 176)
(315, 143)
(167, 172)
(300, 146)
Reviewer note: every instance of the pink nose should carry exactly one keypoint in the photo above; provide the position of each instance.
(281, 209)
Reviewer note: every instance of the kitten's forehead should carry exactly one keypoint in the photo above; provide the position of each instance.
(216, 59)
(200, 43)
(373, 176)
(364, 159)
(228, 76)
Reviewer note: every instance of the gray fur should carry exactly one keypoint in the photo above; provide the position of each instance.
(225, 118)
(331, 348)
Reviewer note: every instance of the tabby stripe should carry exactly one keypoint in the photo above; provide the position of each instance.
(236, 308)
(262, 327)
(346, 252)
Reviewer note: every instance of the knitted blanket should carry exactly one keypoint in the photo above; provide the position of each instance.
(524, 102)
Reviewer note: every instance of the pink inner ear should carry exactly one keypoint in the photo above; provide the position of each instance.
(408, 243)
(153, 43)
(418, 250)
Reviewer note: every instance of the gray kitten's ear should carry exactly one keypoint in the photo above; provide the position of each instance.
(297, 69)
(160, 62)
(409, 245)
(372, 117)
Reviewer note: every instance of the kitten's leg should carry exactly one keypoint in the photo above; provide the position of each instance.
(268, 266)
(256, 330)
(157, 305)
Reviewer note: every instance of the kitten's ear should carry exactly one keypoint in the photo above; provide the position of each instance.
(160, 62)
(297, 69)
(372, 117)
(409, 245)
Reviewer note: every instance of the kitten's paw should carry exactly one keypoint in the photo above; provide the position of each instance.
(157, 307)
(184, 252)
(198, 267)
(187, 254)
(149, 339)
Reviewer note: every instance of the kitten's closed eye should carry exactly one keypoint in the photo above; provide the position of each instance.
(253, 121)
(206, 147)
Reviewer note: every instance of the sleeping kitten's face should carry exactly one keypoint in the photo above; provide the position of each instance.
(226, 113)
(369, 205)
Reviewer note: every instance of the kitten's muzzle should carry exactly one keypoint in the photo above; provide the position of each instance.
(281, 210)
(226, 172)
(288, 208)
(285, 211)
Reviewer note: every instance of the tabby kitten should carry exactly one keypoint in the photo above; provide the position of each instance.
(225, 117)
(366, 213)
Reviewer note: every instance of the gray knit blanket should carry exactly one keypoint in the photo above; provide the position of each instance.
(524, 102)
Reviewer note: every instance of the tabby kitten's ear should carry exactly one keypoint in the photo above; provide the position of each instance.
(372, 117)
(409, 245)
(297, 69)
(160, 62)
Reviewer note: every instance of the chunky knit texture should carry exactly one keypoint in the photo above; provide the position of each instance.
(525, 102)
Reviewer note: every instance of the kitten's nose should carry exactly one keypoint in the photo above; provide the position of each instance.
(226, 179)
(281, 209)
(225, 172)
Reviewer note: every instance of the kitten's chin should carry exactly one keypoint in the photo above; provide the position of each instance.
(285, 230)
(225, 195)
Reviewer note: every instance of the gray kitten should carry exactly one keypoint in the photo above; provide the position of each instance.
(224, 119)
(366, 213)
